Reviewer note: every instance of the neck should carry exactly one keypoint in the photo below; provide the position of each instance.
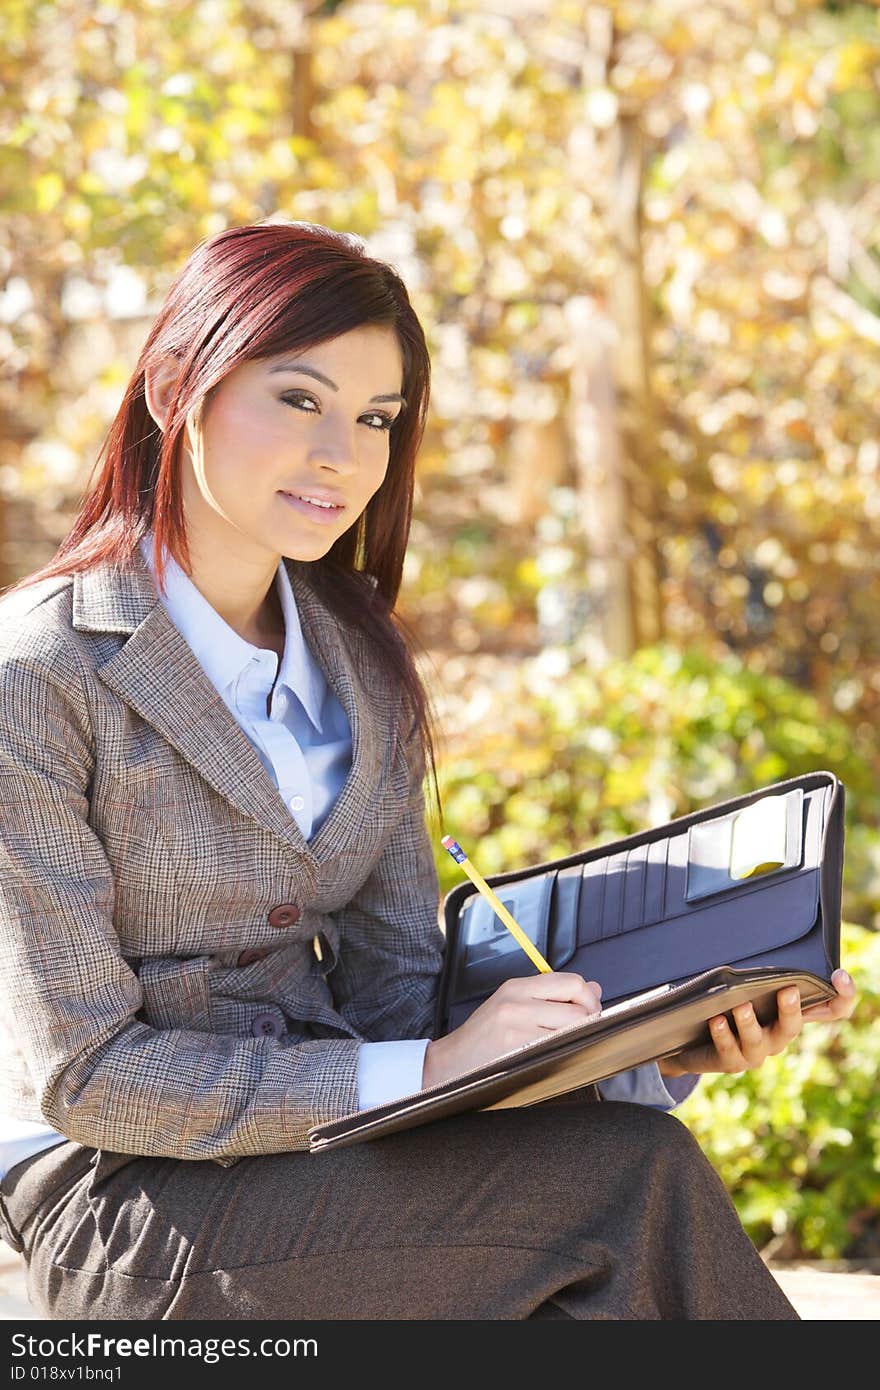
(241, 587)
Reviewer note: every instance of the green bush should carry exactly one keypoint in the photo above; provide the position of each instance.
(564, 758)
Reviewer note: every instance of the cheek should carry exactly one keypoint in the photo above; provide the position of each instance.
(374, 473)
(256, 426)
(240, 445)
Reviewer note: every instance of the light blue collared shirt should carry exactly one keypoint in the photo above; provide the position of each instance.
(291, 717)
(302, 736)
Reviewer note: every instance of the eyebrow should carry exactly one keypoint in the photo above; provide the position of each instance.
(305, 370)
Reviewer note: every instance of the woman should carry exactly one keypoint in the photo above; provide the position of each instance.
(219, 899)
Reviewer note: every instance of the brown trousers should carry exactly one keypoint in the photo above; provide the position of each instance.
(585, 1211)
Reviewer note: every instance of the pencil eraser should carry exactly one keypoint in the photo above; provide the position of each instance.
(454, 848)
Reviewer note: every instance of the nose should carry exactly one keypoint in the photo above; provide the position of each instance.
(333, 445)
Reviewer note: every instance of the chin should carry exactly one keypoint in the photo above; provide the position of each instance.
(305, 553)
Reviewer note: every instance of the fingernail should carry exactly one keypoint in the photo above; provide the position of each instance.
(845, 977)
(792, 997)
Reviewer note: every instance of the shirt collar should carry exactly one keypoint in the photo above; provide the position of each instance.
(219, 649)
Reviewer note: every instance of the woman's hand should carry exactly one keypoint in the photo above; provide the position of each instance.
(750, 1044)
(520, 1011)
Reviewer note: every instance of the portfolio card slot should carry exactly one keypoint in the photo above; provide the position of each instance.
(562, 931)
(612, 911)
(622, 893)
(676, 875)
(655, 881)
(592, 901)
(634, 888)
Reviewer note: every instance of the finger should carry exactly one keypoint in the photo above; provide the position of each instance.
(842, 1005)
(831, 1011)
(552, 1015)
(528, 1025)
(578, 982)
(566, 987)
(789, 1020)
(819, 1013)
(730, 1056)
(698, 1059)
(754, 1041)
(548, 985)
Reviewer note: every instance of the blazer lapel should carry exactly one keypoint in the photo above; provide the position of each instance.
(157, 674)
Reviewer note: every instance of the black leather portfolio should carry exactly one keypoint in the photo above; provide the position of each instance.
(678, 924)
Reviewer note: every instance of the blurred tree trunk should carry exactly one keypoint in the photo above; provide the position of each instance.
(538, 461)
(611, 403)
(302, 94)
(610, 630)
(635, 408)
(293, 27)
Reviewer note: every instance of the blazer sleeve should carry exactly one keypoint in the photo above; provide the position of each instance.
(102, 1077)
(385, 980)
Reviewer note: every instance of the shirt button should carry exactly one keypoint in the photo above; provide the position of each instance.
(296, 803)
(267, 1026)
(284, 915)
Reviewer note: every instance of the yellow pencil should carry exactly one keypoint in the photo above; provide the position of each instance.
(479, 882)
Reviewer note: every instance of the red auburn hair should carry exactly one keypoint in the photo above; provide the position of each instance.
(253, 292)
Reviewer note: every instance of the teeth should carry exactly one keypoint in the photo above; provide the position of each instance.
(314, 501)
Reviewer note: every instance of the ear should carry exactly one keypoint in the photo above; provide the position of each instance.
(158, 386)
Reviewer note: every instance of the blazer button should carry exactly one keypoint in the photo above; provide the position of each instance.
(284, 915)
(255, 953)
(267, 1026)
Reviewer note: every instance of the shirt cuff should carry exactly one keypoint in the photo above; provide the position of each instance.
(645, 1086)
(389, 1070)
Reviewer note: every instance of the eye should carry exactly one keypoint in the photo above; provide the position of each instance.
(302, 398)
(385, 421)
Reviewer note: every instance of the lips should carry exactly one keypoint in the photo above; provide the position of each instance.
(322, 516)
(316, 494)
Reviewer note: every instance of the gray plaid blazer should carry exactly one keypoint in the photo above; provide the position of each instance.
(182, 973)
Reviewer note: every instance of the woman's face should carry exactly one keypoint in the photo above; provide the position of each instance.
(313, 423)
